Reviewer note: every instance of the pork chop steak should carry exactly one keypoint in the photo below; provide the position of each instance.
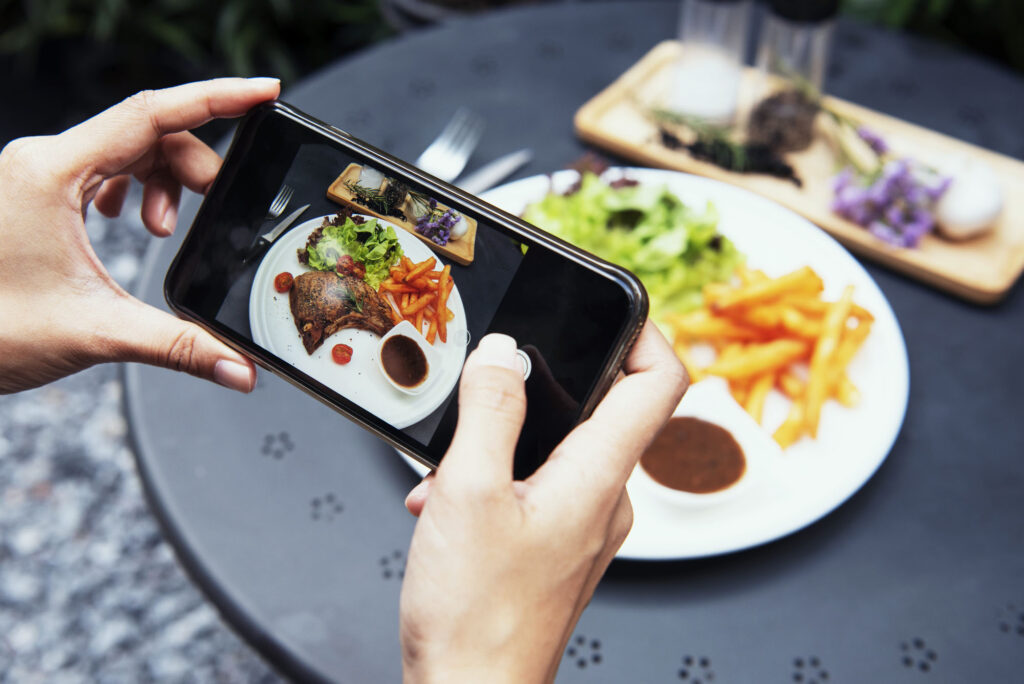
(323, 303)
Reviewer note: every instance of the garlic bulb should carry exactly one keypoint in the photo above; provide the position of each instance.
(972, 203)
(459, 229)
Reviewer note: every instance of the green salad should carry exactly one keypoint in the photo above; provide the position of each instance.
(674, 249)
(373, 245)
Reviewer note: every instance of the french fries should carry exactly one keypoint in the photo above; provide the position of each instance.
(419, 294)
(764, 331)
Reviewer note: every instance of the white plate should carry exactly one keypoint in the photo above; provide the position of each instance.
(360, 380)
(812, 477)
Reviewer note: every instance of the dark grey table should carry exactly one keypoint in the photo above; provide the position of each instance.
(291, 519)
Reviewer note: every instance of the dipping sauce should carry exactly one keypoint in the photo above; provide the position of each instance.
(693, 455)
(404, 361)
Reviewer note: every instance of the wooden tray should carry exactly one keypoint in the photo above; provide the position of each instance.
(981, 269)
(460, 251)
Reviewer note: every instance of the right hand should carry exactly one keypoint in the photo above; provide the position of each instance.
(499, 571)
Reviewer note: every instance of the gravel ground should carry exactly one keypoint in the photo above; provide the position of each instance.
(89, 589)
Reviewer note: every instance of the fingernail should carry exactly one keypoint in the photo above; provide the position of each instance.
(170, 218)
(233, 375)
(264, 81)
(498, 350)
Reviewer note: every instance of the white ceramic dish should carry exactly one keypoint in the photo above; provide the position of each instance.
(812, 477)
(360, 380)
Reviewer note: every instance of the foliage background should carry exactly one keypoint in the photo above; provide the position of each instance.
(994, 28)
(64, 60)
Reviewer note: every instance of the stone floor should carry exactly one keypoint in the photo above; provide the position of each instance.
(89, 589)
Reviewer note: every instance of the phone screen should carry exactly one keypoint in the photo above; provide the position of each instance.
(374, 294)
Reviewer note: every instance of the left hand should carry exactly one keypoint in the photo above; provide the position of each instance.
(60, 311)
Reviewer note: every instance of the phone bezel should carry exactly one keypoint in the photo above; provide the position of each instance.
(503, 221)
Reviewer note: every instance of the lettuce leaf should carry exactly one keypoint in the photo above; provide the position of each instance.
(374, 245)
(673, 248)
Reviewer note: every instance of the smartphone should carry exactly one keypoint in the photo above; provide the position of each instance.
(373, 283)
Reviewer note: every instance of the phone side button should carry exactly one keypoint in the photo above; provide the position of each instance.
(527, 364)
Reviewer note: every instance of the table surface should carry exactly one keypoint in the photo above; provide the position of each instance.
(291, 519)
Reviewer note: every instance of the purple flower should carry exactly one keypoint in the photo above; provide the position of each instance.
(435, 225)
(874, 140)
(936, 191)
(842, 179)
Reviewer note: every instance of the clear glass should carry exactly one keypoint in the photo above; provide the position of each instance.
(714, 38)
(795, 50)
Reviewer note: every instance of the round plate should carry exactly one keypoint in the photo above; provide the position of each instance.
(812, 477)
(361, 380)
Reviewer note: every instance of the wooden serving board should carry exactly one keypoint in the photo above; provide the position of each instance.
(460, 251)
(980, 269)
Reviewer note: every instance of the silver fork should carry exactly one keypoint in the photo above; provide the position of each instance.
(446, 157)
(280, 201)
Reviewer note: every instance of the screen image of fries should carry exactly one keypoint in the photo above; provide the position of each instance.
(419, 294)
(777, 333)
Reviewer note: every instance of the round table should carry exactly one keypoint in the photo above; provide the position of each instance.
(291, 519)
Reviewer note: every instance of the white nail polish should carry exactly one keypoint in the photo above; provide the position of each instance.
(233, 375)
(498, 350)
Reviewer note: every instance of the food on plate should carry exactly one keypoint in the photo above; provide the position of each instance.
(777, 332)
(324, 302)
(972, 203)
(372, 245)
(403, 361)
(675, 249)
(341, 353)
(694, 455)
(420, 295)
(283, 282)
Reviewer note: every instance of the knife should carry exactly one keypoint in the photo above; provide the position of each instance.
(268, 238)
(489, 175)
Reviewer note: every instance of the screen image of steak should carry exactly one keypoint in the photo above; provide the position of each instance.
(323, 303)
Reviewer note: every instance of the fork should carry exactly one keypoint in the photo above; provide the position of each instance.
(280, 201)
(446, 157)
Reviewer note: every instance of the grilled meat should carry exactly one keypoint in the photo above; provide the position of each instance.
(323, 303)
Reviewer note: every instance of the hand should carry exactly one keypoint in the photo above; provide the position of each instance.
(500, 571)
(60, 311)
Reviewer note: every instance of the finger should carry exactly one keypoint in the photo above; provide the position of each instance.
(492, 407)
(139, 332)
(112, 140)
(604, 449)
(110, 198)
(160, 197)
(417, 497)
(190, 161)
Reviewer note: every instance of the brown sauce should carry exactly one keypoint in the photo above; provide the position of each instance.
(404, 361)
(695, 456)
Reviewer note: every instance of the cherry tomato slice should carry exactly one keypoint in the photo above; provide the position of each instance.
(283, 282)
(341, 353)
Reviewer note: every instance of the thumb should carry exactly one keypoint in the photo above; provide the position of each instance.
(492, 408)
(149, 335)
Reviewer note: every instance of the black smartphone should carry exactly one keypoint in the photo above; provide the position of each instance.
(374, 280)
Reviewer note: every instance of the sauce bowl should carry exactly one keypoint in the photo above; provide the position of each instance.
(408, 330)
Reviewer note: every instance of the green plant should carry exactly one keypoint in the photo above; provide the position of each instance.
(243, 37)
(992, 27)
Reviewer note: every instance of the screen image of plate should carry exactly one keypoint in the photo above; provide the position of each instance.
(360, 380)
(813, 476)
